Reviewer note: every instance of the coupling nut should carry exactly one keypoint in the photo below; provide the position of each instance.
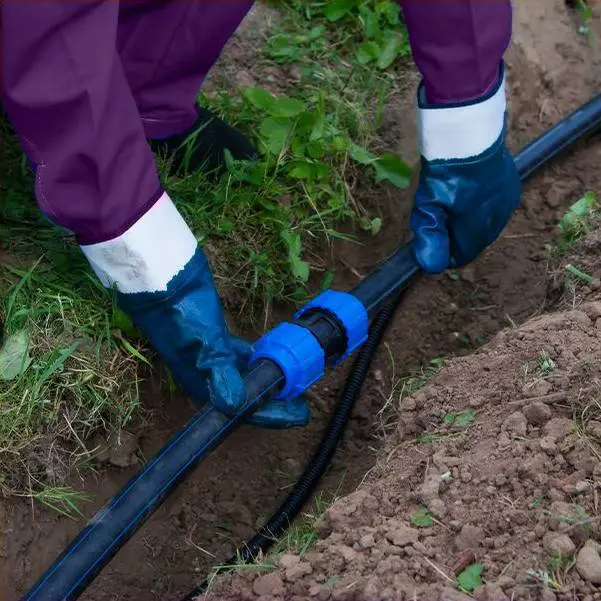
(297, 353)
(350, 313)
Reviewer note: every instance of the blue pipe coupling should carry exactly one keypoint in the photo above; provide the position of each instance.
(298, 353)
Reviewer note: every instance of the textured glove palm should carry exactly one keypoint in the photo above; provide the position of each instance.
(469, 185)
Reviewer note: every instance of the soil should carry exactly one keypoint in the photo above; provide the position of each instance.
(495, 487)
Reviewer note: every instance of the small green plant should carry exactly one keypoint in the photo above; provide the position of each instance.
(460, 419)
(471, 578)
(422, 518)
(543, 577)
(559, 566)
(585, 16)
(317, 30)
(545, 364)
(414, 383)
(574, 224)
(581, 275)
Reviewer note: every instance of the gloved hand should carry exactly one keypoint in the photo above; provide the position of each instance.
(185, 325)
(468, 186)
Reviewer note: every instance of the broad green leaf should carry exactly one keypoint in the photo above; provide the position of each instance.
(376, 226)
(337, 9)
(361, 155)
(301, 171)
(316, 149)
(471, 578)
(367, 52)
(392, 49)
(300, 268)
(391, 11)
(371, 25)
(259, 97)
(392, 168)
(317, 32)
(275, 133)
(321, 170)
(286, 107)
(14, 356)
(341, 144)
(422, 518)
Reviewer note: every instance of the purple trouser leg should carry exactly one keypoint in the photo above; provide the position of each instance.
(76, 104)
(167, 49)
(458, 44)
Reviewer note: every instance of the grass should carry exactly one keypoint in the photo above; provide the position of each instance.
(71, 362)
(303, 533)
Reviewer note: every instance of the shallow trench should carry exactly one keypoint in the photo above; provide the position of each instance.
(231, 493)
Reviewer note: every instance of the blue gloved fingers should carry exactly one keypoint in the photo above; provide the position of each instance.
(243, 350)
(431, 239)
(281, 415)
(226, 388)
(275, 414)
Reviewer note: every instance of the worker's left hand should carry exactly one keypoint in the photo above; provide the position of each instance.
(469, 185)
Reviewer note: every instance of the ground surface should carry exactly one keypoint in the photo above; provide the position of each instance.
(512, 470)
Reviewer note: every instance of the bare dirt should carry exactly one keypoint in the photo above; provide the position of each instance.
(495, 487)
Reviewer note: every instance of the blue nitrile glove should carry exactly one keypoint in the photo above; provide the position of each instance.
(186, 326)
(468, 186)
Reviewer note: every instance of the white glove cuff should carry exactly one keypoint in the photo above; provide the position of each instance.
(147, 256)
(464, 130)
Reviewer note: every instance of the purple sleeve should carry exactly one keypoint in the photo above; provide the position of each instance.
(66, 95)
(458, 44)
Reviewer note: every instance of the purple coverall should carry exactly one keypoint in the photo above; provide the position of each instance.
(86, 82)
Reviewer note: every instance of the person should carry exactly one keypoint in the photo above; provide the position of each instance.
(92, 87)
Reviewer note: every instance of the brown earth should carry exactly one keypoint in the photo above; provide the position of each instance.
(512, 455)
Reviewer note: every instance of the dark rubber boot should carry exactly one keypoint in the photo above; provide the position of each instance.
(203, 145)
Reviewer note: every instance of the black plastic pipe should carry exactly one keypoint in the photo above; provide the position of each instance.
(108, 531)
(317, 466)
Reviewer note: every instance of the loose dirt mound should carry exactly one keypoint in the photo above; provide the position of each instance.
(369, 547)
(502, 448)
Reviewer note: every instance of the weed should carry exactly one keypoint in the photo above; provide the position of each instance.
(585, 16)
(545, 364)
(62, 499)
(543, 577)
(460, 419)
(581, 275)
(575, 223)
(374, 27)
(559, 566)
(303, 533)
(471, 578)
(422, 518)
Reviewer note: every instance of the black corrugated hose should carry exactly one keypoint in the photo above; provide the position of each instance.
(317, 466)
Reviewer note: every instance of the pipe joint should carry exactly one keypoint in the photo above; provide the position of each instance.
(296, 351)
(349, 312)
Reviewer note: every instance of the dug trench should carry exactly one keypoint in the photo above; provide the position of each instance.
(551, 71)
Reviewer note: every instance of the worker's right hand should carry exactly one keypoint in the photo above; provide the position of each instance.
(468, 186)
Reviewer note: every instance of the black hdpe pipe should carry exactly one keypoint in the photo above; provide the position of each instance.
(111, 527)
